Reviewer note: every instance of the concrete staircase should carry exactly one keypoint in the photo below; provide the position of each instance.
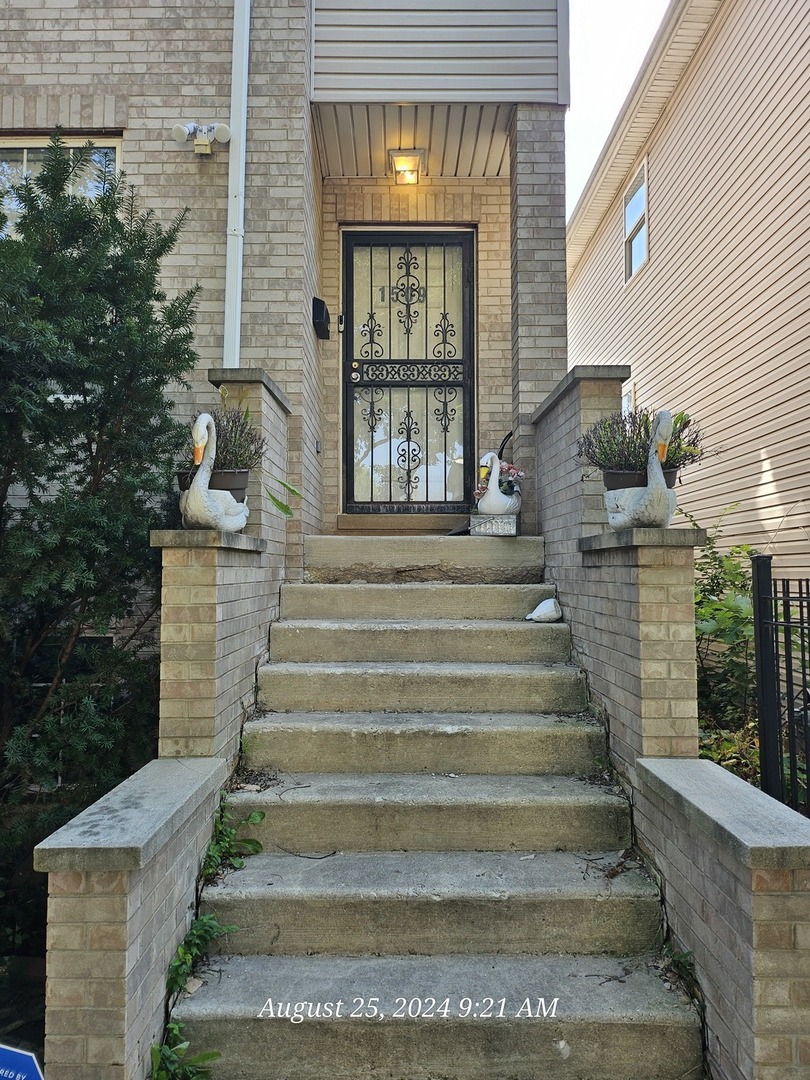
(440, 898)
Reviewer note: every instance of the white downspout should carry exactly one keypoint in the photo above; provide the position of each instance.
(236, 185)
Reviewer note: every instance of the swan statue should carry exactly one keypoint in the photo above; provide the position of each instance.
(653, 506)
(495, 501)
(200, 507)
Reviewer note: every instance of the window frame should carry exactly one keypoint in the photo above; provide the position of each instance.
(71, 142)
(640, 181)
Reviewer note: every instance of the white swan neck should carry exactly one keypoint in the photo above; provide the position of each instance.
(210, 452)
(494, 472)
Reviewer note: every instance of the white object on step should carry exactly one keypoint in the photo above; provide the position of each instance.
(546, 611)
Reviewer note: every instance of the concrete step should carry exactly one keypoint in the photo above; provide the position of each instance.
(421, 687)
(312, 812)
(447, 902)
(424, 742)
(421, 600)
(472, 560)
(442, 1018)
(444, 640)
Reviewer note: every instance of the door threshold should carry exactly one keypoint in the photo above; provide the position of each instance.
(399, 524)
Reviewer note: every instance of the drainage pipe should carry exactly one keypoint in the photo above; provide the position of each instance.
(235, 243)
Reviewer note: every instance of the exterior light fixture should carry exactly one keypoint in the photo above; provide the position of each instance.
(202, 135)
(406, 165)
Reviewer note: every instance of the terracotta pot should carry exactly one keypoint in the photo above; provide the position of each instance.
(233, 480)
(615, 478)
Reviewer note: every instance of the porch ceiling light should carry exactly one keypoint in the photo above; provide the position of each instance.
(406, 165)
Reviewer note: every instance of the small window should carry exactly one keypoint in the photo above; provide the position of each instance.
(635, 224)
(25, 158)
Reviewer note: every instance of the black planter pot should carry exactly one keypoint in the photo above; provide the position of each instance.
(616, 478)
(233, 480)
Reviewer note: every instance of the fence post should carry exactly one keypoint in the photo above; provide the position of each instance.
(770, 765)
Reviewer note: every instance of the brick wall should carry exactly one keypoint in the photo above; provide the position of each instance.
(121, 897)
(735, 869)
(629, 597)
(135, 71)
(734, 865)
(538, 277)
(282, 252)
(216, 604)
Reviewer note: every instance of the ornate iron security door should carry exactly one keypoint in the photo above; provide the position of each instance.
(408, 372)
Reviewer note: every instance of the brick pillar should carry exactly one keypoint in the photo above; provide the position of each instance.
(639, 640)
(539, 344)
(216, 604)
(629, 596)
(269, 409)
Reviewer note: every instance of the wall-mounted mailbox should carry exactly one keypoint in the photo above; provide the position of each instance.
(320, 318)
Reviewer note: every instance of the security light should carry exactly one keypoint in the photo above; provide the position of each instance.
(202, 135)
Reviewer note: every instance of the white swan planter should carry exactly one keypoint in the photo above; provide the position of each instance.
(653, 506)
(200, 507)
(494, 501)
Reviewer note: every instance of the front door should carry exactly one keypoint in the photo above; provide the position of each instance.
(408, 372)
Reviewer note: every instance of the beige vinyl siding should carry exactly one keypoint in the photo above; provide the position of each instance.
(718, 321)
(438, 50)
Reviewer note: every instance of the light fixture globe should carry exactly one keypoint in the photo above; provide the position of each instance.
(181, 133)
(406, 165)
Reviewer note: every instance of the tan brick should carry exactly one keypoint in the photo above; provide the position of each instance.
(773, 936)
(773, 1051)
(771, 881)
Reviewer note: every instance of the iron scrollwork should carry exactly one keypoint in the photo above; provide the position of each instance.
(409, 454)
(444, 349)
(371, 329)
(372, 415)
(403, 373)
(445, 415)
(407, 290)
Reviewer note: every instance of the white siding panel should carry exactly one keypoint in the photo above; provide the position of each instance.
(436, 51)
(718, 321)
(458, 140)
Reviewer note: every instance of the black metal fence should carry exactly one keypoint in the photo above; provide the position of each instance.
(782, 647)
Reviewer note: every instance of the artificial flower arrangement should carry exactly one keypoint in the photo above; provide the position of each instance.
(508, 481)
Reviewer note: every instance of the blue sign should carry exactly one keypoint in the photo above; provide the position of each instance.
(18, 1065)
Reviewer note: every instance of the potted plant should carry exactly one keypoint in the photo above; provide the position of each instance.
(619, 445)
(240, 447)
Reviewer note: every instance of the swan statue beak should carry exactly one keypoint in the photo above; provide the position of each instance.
(662, 451)
(198, 452)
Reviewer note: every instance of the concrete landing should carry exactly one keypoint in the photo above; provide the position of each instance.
(464, 559)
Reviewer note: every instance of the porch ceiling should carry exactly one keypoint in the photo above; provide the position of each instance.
(461, 140)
